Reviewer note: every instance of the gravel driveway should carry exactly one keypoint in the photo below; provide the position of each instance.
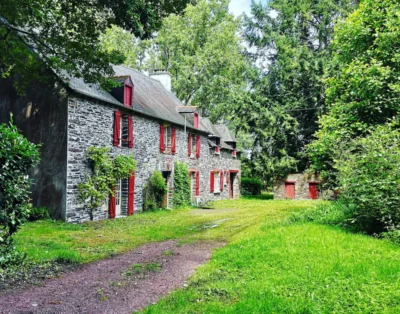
(122, 284)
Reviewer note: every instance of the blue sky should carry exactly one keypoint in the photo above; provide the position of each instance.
(237, 7)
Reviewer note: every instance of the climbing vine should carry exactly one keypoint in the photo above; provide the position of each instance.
(105, 171)
(154, 192)
(181, 185)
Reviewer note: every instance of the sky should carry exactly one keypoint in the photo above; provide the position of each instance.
(237, 7)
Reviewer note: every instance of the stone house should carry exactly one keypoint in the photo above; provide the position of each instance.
(298, 186)
(141, 117)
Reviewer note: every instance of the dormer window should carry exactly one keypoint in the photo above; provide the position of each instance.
(218, 147)
(128, 94)
(234, 152)
(196, 120)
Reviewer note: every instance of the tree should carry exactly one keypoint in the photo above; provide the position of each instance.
(290, 42)
(64, 34)
(202, 50)
(363, 94)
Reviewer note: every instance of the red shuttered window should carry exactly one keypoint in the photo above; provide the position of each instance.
(128, 95)
(162, 144)
(131, 194)
(198, 142)
(130, 132)
(117, 128)
(212, 181)
(173, 141)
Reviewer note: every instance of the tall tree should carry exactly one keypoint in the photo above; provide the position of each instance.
(290, 42)
(64, 34)
(202, 50)
(364, 92)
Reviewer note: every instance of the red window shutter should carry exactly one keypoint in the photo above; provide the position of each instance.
(128, 92)
(117, 127)
(198, 146)
(162, 144)
(190, 139)
(173, 140)
(221, 180)
(130, 131)
(196, 120)
(112, 204)
(197, 183)
(212, 181)
(131, 194)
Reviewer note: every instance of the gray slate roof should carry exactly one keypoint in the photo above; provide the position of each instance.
(207, 125)
(150, 97)
(226, 135)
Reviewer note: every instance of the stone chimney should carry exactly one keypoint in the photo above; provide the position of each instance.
(163, 77)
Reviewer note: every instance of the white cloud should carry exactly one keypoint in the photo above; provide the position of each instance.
(237, 7)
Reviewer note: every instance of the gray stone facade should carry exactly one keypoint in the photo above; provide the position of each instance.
(301, 184)
(90, 123)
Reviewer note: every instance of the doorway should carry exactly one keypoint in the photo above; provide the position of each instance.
(167, 196)
(290, 189)
(313, 190)
(118, 198)
(232, 176)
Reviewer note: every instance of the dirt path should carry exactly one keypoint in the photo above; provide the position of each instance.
(120, 285)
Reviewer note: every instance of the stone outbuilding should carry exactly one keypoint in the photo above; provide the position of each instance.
(297, 186)
(140, 118)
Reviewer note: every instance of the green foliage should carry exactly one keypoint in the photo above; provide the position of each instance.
(203, 52)
(154, 192)
(363, 93)
(39, 213)
(182, 188)
(105, 172)
(291, 45)
(369, 177)
(251, 186)
(65, 34)
(17, 157)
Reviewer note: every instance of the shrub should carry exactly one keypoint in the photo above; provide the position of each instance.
(182, 189)
(154, 192)
(251, 186)
(39, 213)
(105, 171)
(369, 178)
(17, 157)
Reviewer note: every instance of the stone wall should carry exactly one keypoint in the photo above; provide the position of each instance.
(301, 186)
(91, 124)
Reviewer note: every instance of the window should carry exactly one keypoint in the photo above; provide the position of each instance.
(194, 145)
(167, 139)
(128, 95)
(217, 181)
(218, 147)
(123, 130)
(234, 153)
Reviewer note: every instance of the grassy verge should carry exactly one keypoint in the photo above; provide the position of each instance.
(62, 242)
(300, 268)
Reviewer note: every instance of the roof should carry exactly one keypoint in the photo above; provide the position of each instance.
(226, 135)
(207, 125)
(186, 109)
(150, 97)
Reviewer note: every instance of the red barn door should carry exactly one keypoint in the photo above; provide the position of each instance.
(289, 189)
(313, 190)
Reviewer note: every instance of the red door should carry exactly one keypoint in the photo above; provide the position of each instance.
(289, 190)
(313, 190)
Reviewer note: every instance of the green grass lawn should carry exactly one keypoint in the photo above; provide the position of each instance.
(268, 266)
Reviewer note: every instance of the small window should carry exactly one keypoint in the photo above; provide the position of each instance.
(168, 138)
(218, 147)
(128, 92)
(193, 148)
(196, 120)
(217, 181)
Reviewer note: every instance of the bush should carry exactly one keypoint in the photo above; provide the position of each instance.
(39, 213)
(17, 157)
(154, 192)
(251, 186)
(369, 178)
(182, 189)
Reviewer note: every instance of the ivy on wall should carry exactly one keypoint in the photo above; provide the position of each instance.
(154, 192)
(182, 189)
(105, 171)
